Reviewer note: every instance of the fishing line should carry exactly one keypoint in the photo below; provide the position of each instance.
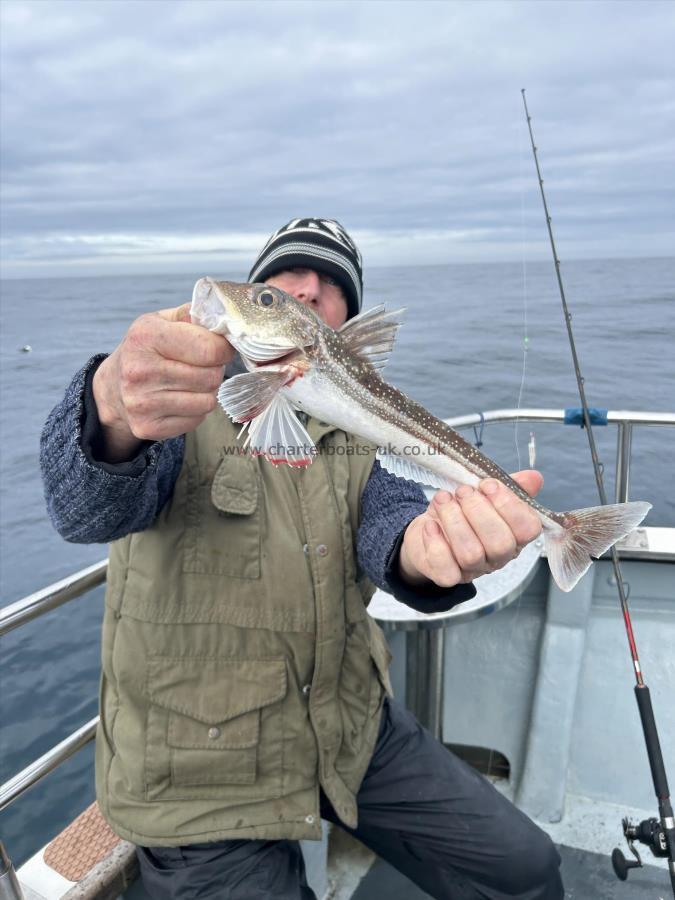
(517, 602)
(526, 339)
(657, 834)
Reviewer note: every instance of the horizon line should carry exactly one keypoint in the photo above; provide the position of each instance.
(55, 274)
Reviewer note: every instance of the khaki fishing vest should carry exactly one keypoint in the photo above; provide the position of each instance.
(241, 671)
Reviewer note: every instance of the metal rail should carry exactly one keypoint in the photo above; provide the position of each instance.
(49, 598)
(75, 585)
(614, 417)
(623, 419)
(29, 776)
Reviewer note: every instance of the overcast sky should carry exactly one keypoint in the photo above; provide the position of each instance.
(172, 135)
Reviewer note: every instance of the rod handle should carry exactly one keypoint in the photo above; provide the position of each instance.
(644, 702)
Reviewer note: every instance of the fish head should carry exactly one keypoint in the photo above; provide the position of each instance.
(262, 322)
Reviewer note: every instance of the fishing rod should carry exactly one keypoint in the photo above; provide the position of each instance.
(657, 834)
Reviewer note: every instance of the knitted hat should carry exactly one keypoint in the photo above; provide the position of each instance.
(320, 244)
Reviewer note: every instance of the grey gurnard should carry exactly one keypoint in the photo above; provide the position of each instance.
(297, 362)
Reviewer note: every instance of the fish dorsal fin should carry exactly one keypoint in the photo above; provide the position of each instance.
(372, 333)
(405, 468)
(274, 430)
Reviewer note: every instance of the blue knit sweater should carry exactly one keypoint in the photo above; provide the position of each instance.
(90, 501)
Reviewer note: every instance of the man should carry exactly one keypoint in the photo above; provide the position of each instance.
(244, 690)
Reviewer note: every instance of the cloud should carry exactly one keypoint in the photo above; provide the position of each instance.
(173, 131)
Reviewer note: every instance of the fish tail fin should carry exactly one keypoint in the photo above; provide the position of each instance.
(585, 533)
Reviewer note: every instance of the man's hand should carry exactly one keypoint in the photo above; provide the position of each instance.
(161, 381)
(473, 532)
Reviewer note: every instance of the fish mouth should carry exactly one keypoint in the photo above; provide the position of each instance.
(207, 308)
(213, 309)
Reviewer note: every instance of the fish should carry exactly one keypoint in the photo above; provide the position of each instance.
(295, 362)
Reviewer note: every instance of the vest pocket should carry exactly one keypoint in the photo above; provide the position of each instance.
(221, 752)
(222, 527)
(215, 728)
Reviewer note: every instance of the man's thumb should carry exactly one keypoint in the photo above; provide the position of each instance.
(530, 480)
(176, 313)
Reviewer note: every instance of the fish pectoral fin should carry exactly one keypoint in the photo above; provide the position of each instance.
(280, 436)
(274, 430)
(371, 334)
(245, 396)
(405, 468)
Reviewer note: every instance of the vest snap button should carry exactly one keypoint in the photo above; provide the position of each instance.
(305, 548)
(306, 689)
(214, 733)
(322, 550)
(309, 820)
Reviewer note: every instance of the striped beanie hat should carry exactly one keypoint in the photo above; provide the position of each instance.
(320, 244)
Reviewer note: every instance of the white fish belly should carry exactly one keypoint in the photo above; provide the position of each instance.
(320, 397)
(323, 399)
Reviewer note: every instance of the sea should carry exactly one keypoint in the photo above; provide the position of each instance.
(474, 338)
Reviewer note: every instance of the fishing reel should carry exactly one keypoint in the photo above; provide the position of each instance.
(649, 832)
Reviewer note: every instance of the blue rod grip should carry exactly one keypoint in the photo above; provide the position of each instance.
(574, 415)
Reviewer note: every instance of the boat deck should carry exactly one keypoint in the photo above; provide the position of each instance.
(584, 837)
(586, 876)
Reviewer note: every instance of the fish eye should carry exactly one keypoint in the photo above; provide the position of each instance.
(266, 299)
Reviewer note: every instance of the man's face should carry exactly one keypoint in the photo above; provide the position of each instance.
(319, 291)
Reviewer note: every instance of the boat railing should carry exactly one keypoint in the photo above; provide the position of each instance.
(42, 601)
(625, 420)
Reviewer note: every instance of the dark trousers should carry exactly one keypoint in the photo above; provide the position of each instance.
(420, 808)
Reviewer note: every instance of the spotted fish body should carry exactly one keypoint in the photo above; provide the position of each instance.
(339, 387)
(297, 362)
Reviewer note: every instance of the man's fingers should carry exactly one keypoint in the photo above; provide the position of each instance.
(192, 344)
(180, 341)
(170, 427)
(152, 416)
(476, 530)
(530, 480)
(462, 538)
(167, 404)
(171, 375)
(521, 519)
(176, 313)
(439, 563)
(495, 537)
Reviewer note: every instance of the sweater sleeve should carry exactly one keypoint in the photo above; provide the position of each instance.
(91, 501)
(388, 505)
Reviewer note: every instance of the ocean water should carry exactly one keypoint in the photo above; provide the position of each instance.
(459, 351)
